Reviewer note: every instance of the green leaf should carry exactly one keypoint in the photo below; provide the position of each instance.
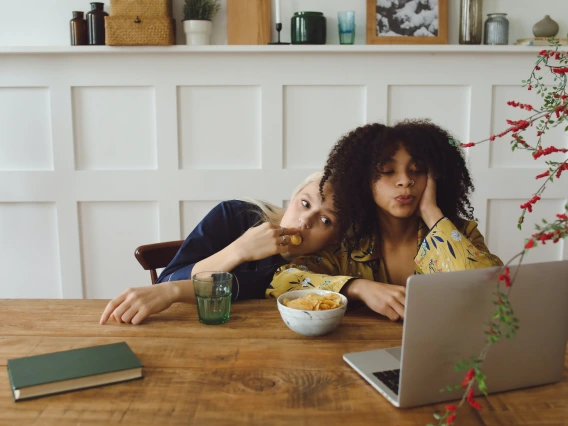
(437, 416)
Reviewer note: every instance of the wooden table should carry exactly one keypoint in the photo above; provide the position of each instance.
(252, 370)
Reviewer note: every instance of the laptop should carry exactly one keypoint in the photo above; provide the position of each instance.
(446, 315)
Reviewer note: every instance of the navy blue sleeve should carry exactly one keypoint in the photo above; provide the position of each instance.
(222, 225)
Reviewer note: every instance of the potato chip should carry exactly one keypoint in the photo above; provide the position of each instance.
(314, 302)
(296, 239)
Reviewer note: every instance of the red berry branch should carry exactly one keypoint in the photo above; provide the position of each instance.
(552, 113)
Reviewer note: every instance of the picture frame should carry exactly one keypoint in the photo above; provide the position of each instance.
(400, 20)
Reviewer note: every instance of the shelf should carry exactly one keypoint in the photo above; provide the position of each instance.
(180, 49)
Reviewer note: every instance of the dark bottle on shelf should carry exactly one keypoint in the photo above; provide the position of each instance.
(78, 28)
(96, 23)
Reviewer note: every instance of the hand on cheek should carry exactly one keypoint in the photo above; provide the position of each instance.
(429, 210)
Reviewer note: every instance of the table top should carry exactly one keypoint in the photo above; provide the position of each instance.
(251, 370)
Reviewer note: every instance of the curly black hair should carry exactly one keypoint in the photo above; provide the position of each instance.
(354, 163)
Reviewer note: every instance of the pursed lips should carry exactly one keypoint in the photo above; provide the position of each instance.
(404, 199)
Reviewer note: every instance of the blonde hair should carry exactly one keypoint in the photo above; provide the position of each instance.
(273, 214)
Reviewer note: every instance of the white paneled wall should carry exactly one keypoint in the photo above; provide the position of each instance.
(114, 128)
(102, 150)
(29, 250)
(26, 146)
(332, 111)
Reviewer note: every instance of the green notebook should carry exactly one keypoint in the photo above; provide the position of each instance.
(65, 371)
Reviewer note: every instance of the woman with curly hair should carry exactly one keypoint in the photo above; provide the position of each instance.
(405, 189)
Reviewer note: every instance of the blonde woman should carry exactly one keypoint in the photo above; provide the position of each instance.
(249, 238)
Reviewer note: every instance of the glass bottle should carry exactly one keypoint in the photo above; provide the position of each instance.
(78, 28)
(96, 23)
(496, 29)
(470, 22)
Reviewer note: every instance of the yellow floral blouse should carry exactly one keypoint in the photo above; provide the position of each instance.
(446, 247)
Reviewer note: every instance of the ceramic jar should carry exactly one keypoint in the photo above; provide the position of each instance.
(497, 29)
(308, 28)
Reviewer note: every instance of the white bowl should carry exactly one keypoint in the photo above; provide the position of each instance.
(311, 323)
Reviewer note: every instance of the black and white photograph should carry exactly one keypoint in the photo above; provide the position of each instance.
(411, 18)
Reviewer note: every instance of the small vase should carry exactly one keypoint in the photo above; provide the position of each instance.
(470, 22)
(78, 28)
(546, 27)
(96, 24)
(197, 32)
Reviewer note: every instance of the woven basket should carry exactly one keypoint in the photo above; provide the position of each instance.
(139, 31)
(152, 8)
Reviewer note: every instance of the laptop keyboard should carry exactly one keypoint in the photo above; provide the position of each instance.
(389, 378)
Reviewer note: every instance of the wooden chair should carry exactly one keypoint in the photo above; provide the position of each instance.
(155, 256)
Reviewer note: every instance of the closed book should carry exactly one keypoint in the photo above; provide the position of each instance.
(65, 371)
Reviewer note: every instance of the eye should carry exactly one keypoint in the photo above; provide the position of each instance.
(386, 172)
(306, 204)
(418, 171)
(326, 221)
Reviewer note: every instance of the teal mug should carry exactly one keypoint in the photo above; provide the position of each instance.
(308, 28)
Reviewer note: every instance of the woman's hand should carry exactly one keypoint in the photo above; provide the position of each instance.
(135, 304)
(263, 241)
(428, 209)
(385, 299)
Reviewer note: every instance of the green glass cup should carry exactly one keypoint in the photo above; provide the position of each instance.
(213, 292)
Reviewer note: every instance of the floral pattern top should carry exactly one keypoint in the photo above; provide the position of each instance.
(445, 247)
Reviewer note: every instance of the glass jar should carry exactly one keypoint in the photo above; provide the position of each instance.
(78, 29)
(496, 29)
(96, 23)
(308, 28)
(470, 22)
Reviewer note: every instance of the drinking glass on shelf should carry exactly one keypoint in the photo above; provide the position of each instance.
(346, 25)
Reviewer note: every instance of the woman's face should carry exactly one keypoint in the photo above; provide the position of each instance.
(394, 193)
(315, 220)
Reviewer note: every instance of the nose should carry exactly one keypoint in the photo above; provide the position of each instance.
(404, 181)
(306, 221)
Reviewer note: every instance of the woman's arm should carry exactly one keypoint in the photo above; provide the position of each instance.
(319, 271)
(224, 239)
(135, 304)
(257, 243)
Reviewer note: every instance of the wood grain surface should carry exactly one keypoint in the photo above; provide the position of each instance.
(251, 371)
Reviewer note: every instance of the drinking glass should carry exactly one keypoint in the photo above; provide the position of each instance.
(346, 25)
(213, 292)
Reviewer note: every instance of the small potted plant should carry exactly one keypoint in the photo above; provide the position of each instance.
(197, 17)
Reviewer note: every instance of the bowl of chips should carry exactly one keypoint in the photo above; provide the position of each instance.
(312, 312)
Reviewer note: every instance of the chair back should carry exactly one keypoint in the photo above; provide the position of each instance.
(157, 255)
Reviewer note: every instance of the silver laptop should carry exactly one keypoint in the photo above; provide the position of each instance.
(445, 319)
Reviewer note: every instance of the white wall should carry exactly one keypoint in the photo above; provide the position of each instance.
(46, 22)
(96, 159)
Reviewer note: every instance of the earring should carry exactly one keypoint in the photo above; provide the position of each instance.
(411, 183)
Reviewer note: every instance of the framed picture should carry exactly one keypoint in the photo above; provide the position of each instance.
(407, 21)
